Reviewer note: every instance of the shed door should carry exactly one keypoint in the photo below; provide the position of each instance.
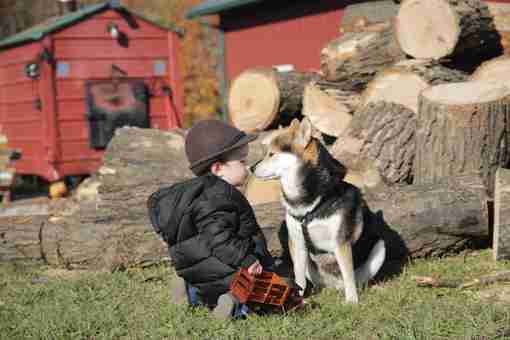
(112, 104)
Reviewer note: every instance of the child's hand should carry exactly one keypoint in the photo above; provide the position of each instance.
(255, 268)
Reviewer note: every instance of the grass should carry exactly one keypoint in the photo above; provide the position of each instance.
(37, 302)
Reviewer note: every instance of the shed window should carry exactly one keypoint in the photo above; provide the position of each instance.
(159, 67)
(63, 70)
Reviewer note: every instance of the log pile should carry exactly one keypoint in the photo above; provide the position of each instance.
(421, 139)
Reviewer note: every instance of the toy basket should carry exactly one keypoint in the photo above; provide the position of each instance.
(267, 289)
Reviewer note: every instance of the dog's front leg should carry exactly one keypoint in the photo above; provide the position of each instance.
(299, 253)
(343, 256)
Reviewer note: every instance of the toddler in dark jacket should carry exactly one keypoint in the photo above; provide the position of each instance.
(208, 224)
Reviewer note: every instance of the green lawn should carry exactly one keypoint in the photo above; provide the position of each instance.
(37, 302)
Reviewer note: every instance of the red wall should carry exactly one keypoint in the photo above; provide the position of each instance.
(279, 36)
(54, 141)
(267, 35)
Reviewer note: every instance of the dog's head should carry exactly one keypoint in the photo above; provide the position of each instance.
(287, 150)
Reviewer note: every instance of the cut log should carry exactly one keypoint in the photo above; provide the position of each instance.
(462, 127)
(418, 220)
(329, 107)
(385, 134)
(500, 13)
(358, 16)
(403, 82)
(263, 98)
(434, 29)
(356, 57)
(496, 70)
(501, 238)
(258, 191)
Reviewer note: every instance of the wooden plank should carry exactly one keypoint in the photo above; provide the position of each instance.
(73, 131)
(501, 236)
(20, 92)
(109, 48)
(96, 27)
(20, 112)
(21, 54)
(13, 74)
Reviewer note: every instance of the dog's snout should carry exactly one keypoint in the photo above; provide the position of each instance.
(254, 166)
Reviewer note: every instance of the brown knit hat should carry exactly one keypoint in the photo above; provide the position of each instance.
(208, 140)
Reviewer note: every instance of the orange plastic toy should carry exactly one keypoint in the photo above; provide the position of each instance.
(267, 289)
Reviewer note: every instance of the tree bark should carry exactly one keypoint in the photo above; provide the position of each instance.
(329, 107)
(462, 127)
(355, 58)
(501, 240)
(435, 29)
(260, 98)
(369, 12)
(403, 82)
(386, 135)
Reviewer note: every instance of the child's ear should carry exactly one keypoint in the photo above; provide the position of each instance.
(303, 135)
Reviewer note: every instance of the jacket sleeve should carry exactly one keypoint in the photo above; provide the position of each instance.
(217, 222)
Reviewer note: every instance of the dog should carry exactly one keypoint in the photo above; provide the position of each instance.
(324, 214)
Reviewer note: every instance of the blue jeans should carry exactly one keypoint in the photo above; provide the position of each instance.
(267, 262)
(194, 299)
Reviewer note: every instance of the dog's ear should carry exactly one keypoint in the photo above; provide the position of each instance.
(304, 133)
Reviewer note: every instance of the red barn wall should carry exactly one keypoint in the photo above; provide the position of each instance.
(277, 33)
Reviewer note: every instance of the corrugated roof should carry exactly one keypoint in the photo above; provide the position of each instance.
(217, 6)
(37, 32)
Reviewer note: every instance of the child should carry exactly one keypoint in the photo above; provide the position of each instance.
(208, 224)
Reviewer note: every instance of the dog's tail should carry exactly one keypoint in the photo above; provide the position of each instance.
(372, 265)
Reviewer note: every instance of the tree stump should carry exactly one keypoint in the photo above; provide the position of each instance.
(355, 58)
(329, 107)
(495, 70)
(386, 135)
(403, 82)
(501, 239)
(434, 29)
(462, 127)
(258, 191)
(262, 98)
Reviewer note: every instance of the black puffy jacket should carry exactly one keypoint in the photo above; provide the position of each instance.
(210, 229)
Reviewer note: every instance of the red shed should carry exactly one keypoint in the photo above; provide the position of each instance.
(65, 85)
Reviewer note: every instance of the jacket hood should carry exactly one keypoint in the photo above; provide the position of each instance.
(168, 205)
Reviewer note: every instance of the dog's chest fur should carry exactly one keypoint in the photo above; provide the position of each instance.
(322, 233)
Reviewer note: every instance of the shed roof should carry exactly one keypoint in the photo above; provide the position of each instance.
(49, 26)
(217, 6)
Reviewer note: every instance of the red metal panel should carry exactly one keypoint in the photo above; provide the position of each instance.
(297, 41)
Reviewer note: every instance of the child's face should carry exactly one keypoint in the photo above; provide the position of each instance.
(233, 169)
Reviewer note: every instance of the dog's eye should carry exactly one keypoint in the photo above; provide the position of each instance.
(271, 154)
